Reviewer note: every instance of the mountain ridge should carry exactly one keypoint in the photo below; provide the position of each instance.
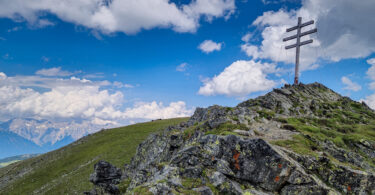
(285, 142)
(299, 139)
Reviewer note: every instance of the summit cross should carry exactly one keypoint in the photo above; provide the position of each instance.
(298, 36)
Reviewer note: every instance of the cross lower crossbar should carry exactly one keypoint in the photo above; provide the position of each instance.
(302, 43)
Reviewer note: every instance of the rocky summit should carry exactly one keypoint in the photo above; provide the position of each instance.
(300, 139)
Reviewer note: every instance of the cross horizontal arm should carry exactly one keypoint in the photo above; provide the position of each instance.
(302, 43)
(302, 25)
(302, 34)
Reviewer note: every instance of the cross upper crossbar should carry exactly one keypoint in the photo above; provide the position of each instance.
(302, 25)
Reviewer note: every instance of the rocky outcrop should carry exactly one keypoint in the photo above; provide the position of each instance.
(105, 176)
(290, 141)
(230, 164)
(342, 178)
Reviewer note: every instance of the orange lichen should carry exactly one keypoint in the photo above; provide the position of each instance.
(349, 188)
(236, 161)
(280, 165)
(277, 178)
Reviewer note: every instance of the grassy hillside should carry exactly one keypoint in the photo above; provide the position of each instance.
(67, 170)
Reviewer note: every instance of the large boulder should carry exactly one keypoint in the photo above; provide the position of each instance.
(106, 176)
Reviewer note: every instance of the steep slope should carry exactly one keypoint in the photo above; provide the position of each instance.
(300, 139)
(65, 171)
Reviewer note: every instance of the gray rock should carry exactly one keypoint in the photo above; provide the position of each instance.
(225, 185)
(367, 147)
(204, 190)
(106, 176)
(344, 156)
(249, 133)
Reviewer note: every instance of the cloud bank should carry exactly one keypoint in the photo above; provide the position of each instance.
(128, 16)
(72, 106)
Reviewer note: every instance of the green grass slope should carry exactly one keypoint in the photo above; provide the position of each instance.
(67, 170)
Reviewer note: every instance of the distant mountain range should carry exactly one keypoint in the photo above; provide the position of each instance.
(29, 136)
(12, 144)
(9, 160)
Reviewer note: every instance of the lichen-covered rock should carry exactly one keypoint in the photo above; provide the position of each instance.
(214, 115)
(342, 178)
(226, 162)
(106, 176)
(204, 190)
(367, 147)
(345, 156)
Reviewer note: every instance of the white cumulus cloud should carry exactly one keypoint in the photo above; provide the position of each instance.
(128, 16)
(209, 46)
(371, 71)
(350, 85)
(154, 110)
(247, 37)
(240, 79)
(55, 71)
(182, 67)
(370, 100)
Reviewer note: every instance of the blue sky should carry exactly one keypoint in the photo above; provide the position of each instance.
(148, 58)
(128, 68)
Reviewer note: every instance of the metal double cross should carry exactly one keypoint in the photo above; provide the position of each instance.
(299, 43)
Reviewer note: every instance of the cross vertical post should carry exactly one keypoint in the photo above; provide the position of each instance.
(298, 44)
(296, 76)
